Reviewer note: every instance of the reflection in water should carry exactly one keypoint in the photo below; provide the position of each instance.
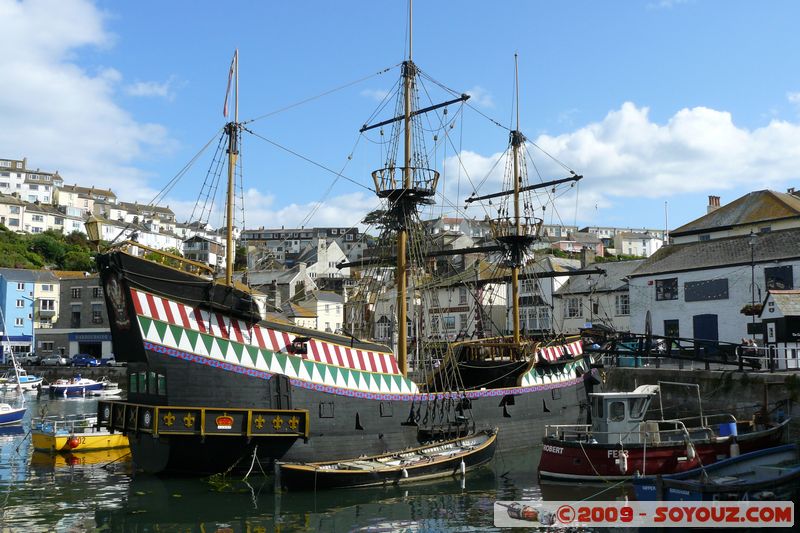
(78, 492)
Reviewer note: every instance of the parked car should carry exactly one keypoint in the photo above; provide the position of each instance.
(53, 360)
(111, 361)
(83, 359)
(29, 358)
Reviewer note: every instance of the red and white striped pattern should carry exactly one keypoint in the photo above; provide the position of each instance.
(235, 330)
(553, 353)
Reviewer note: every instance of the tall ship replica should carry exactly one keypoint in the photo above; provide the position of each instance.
(213, 380)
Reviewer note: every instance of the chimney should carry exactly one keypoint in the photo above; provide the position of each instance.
(713, 204)
(793, 192)
(587, 257)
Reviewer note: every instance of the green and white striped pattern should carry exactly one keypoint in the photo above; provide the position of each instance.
(248, 356)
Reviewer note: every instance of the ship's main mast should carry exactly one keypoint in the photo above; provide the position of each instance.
(416, 186)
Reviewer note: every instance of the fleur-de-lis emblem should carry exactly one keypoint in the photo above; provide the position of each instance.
(277, 422)
(168, 419)
(259, 422)
(294, 422)
(188, 420)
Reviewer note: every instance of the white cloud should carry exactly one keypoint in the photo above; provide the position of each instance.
(480, 97)
(58, 114)
(627, 155)
(375, 94)
(264, 209)
(165, 90)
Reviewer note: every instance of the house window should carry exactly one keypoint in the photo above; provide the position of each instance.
(383, 328)
(47, 346)
(97, 292)
(47, 288)
(622, 304)
(449, 322)
(20, 286)
(704, 237)
(19, 322)
(97, 313)
(667, 289)
(14, 210)
(779, 278)
(462, 296)
(76, 292)
(48, 305)
(572, 308)
(463, 321)
(20, 304)
(701, 291)
(435, 323)
(13, 222)
(672, 328)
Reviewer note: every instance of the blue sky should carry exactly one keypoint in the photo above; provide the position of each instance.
(652, 101)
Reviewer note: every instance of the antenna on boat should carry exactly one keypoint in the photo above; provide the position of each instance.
(232, 131)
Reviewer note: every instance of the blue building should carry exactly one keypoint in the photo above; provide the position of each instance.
(18, 297)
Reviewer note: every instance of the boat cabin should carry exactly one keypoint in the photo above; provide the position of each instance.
(618, 416)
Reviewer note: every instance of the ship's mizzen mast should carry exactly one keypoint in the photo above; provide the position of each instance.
(232, 131)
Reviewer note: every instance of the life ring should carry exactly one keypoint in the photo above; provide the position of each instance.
(73, 442)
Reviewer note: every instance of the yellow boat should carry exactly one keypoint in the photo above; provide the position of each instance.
(67, 459)
(75, 433)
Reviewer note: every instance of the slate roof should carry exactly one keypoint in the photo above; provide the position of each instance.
(614, 279)
(787, 301)
(717, 253)
(752, 208)
(27, 275)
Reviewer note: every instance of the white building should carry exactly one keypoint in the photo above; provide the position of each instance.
(465, 305)
(587, 300)
(12, 212)
(780, 315)
(328, 308)
(637, 244)
(536, 294)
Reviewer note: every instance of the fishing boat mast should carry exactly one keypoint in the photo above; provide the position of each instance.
(232, 131)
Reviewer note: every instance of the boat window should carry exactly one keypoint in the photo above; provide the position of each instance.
(151, 382)
(132, 383)
(638, 405)
(142, 382)
(162, 385)
(616, 412)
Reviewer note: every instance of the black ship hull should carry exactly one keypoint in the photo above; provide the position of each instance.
(198, 403)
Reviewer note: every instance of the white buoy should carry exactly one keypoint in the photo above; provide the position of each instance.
(691, 453)
(734, 449)
(623, 461)
(405, 473)
(463, 468)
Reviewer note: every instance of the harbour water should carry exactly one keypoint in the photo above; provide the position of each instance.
(102, 492)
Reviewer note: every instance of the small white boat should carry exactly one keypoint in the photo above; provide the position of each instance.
(11, 415)
(19, 379)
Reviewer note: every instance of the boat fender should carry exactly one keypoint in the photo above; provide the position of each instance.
(73, 442)
(623, 461)
(405, 473)
(734, 448)
(691, 453)
(463, 468)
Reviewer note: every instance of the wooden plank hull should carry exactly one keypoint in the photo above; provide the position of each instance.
(315, 476)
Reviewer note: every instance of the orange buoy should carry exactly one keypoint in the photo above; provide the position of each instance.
(73, 442)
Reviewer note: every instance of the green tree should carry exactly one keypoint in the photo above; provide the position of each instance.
(76, 260)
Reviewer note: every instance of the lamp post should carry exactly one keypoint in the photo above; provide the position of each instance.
(752, 242)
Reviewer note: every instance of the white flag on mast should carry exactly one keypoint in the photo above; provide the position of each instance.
(230, 78)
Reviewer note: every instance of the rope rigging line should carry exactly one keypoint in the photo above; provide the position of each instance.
(320, 95)
(308, 160)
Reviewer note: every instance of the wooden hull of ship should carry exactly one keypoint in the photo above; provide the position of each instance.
(341, 423)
